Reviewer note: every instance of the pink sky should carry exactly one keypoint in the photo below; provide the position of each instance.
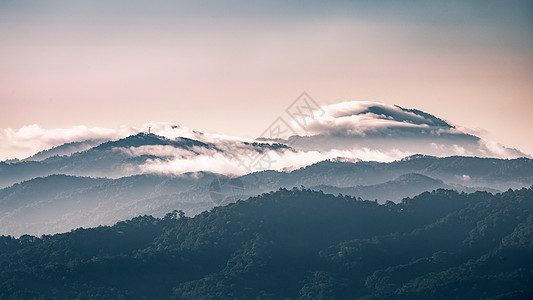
(235, 71)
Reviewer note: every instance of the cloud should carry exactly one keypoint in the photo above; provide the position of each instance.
(161, 151)
(494, 149)
(360, 118)
(243, 162)
(234, 155)
(172, 131)
(358, 124)
(27, 140)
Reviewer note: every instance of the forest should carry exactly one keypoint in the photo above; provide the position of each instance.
(290, 244)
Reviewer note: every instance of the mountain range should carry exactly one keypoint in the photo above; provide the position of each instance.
(58, 203)
(357, 200)
(98, 182)
(381, 131)
(290, 244)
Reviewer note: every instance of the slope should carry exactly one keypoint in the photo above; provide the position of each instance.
(290, 244)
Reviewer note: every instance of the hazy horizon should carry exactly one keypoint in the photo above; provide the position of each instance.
(233, 67)
(361, 130)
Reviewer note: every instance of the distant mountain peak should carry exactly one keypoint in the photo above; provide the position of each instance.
(360, 118)
(344, 159)
(416, 156)
(145, 139)
(65, 149)
(376, 131)
(430, 118)
(417, 178)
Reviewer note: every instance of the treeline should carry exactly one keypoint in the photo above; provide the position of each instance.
(290, 244)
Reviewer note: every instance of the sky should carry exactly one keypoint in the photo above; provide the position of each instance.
(233, 67)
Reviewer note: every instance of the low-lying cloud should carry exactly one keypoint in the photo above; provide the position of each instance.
(353, 120)
(243, 162)
(28, 140)
(386, 127)
(23, 142)
(360, 118)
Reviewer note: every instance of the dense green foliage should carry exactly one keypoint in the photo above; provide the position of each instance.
(290, 244)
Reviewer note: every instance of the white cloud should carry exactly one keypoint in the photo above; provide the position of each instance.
(25, 141)
(347, 125)
(232, 153)
(363, 117)
(243, 162)
(494, 149)
(171, 131)
(28, 140)
(161, 151)
(218, 163)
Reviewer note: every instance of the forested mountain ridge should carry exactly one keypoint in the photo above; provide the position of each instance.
(471, 171)
(124, 157)
(290, 244)
(407, 185)
(59, 203)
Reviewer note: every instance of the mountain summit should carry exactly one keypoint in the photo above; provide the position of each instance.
(356, 130)
(391, 131)
(366, 118)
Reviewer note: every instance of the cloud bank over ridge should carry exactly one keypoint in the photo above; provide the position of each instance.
(25, 141)
(383, 127)
(28, 140)
(362, 118)
(358, 130)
